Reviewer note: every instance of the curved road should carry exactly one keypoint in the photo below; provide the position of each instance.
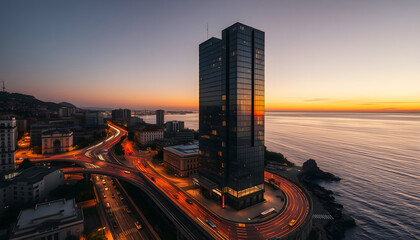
(162, 190)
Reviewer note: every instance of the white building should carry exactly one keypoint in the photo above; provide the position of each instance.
(8, 140)
(57, 140)
(148, 136)
(32, 185)
(53, 220)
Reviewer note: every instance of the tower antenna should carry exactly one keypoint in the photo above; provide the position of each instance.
(207, 30)
(4, 88)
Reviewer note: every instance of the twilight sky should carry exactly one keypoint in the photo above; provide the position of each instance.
(320, 54)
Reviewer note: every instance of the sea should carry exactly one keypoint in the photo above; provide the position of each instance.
(377, 156)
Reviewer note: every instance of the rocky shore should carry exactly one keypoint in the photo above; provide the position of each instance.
(309, 175)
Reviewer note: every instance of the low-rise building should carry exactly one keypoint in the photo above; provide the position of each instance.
(181, 159)
(135, 122)
(57, 140)
(66, 111)
(94, 119)
(53, 220)
(171, 127)
(32, 185)
(184, 136)
(149, 135)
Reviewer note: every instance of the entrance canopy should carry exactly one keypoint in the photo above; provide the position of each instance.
(204, 182)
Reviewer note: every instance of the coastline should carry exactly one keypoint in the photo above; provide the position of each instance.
(309, 177)
(332, 221)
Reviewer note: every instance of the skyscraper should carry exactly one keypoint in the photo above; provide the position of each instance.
(8, 140)
(121, 115)
(231, 118)
(160, 120)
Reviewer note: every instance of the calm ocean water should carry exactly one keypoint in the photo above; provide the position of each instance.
(377, 155)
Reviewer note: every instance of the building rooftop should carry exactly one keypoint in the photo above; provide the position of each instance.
(56, 130)
(54, 210)
(151, 128)
(34, 174)
(184, 150)
(7, 117)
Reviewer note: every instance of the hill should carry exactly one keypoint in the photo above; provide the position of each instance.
(66, 104)
(22, 105)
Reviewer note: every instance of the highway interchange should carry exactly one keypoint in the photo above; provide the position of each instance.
(188, 218)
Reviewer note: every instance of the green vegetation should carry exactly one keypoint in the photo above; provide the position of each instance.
(276, 157)
(314, 234)
(81, 144)
(81, 191)
(131, 135)
(119, 150)
(92, 224)
(96, 137)
(10, 215)
(25, 164)
(159, 156)
(37, 149)
(96, 236)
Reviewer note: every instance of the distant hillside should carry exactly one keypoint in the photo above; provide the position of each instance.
(23, 105)
(66, 104)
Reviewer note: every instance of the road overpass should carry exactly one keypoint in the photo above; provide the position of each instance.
(190, 218)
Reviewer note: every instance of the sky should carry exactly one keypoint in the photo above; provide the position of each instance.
(321, 55)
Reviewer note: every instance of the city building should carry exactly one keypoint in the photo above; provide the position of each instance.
(94, 119)
(165, 142)
(148, 135)
(8, 141)
(121, 115)
(22, 126)
(31, 185)
(57, 140)
(66, 111)
(184, 136)
(176, 130)
(160, 117)
(53, 220)
(39, 127)
(171, 127)
(135, 122)
(181, 159)
(231, 118)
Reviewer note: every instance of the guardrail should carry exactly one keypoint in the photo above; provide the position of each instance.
(303, 230)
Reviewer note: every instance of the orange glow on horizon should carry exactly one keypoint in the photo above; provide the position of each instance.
(352, 106)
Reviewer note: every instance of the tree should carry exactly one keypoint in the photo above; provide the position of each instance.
(276, 157)
(37, 149)
(25, 164)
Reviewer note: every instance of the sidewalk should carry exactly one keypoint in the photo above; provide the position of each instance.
(253, 212)
(229, 213)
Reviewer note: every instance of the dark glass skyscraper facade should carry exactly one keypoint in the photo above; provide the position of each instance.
(232, 114)
(160, 117)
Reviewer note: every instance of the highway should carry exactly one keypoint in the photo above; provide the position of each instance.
(92, 161)
(296, 207)
(120, 215)
(189, 218)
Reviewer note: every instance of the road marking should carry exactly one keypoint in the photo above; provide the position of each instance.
(322, 216)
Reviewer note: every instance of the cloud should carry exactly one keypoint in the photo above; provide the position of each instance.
(377, 103)
(316, 100)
